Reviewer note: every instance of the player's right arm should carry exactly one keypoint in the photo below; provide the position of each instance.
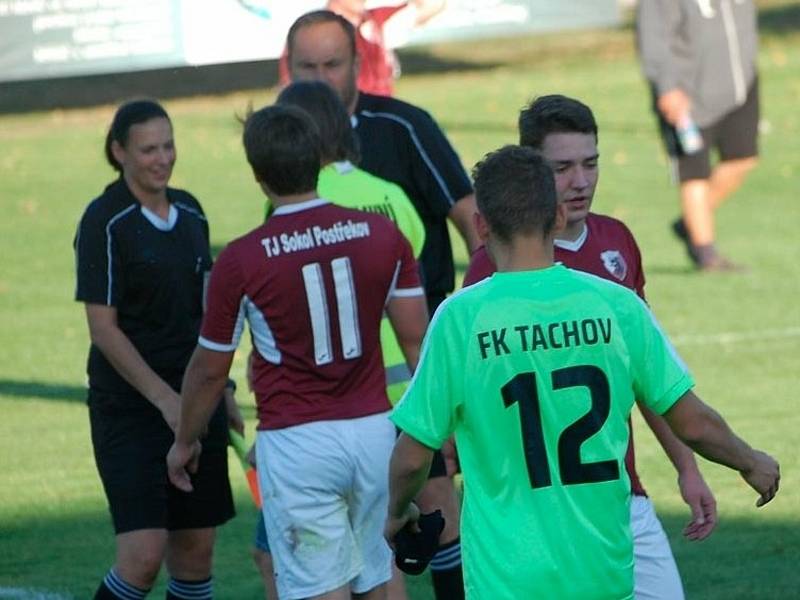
(409, 319)
(408, 472)
(662, 381)
(126, 360)
(707, 433)
(207, 372)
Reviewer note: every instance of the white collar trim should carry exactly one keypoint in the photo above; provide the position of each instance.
(343, 167)
(288, 209)
(159, 223)
(573, 245)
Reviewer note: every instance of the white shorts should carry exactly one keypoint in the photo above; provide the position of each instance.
(655, 574)
(325, 496)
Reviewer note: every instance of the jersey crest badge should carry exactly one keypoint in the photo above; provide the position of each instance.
(615, 263)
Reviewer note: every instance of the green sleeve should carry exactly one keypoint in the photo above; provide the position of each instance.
(427, 412)
(660, 376)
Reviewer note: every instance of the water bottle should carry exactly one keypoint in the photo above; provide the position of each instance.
(689, 136)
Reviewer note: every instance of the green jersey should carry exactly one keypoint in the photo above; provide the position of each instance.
(536, 373)
(346, 185)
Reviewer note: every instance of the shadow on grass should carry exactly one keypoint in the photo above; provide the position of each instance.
(44, 391)
(779, 20)
(70, 553)
(743, 559)
(680, 270)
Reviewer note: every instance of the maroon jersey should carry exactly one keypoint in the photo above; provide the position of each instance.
(312, 283)
(606, 248)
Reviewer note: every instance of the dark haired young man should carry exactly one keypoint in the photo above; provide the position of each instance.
(313, 283)
(535, 369)
(403, 144)
(564, 132)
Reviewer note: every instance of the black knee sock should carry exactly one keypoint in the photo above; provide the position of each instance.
(180, 589)
(448, 581)
(113, 587)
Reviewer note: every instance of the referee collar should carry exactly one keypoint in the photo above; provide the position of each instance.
(161, 224)
(288, 209)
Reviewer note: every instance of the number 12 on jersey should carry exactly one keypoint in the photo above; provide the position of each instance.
(346, 305)
(522, 390)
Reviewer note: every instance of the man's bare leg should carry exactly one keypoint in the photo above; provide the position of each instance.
(376, 593)
(396, 587)
(727, 177)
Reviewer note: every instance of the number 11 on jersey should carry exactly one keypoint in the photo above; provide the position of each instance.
(346, 305)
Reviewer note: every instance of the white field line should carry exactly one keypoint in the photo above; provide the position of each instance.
(731, 337)
(30, 594)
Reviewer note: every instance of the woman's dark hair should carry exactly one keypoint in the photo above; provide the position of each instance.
(130, 114)
(337, 138)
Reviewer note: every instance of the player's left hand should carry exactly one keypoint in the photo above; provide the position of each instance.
(183, 459)
(698, 496)
(395, 524)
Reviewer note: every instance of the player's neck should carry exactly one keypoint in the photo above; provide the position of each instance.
(572, 231)
(292, 198)
(155, 201)
(522, 253)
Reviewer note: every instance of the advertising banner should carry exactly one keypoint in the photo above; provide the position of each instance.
(42, 39)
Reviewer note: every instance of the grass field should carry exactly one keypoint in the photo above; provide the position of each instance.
(740, 334)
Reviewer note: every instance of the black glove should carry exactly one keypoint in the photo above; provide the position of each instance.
(414, 550)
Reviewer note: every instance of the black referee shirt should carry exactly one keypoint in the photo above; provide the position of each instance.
(403, 144)
(152, 271)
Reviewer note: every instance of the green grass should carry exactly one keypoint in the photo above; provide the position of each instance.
(55, 533)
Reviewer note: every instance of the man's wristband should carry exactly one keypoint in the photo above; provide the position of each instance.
(230, 385)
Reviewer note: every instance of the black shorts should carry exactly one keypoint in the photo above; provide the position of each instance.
(734, 136)
(131, 441)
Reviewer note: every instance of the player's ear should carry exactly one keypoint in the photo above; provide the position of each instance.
(561, 218)
(481, 226)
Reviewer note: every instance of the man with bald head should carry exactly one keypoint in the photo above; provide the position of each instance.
(401, 143)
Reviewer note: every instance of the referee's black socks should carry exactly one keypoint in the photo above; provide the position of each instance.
(448, 580)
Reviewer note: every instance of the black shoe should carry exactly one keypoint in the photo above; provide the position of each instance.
(679, 229)
(720, 264)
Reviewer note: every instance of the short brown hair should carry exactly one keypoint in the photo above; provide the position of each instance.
(515, 192)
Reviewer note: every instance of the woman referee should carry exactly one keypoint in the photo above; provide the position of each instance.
(142, 254)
